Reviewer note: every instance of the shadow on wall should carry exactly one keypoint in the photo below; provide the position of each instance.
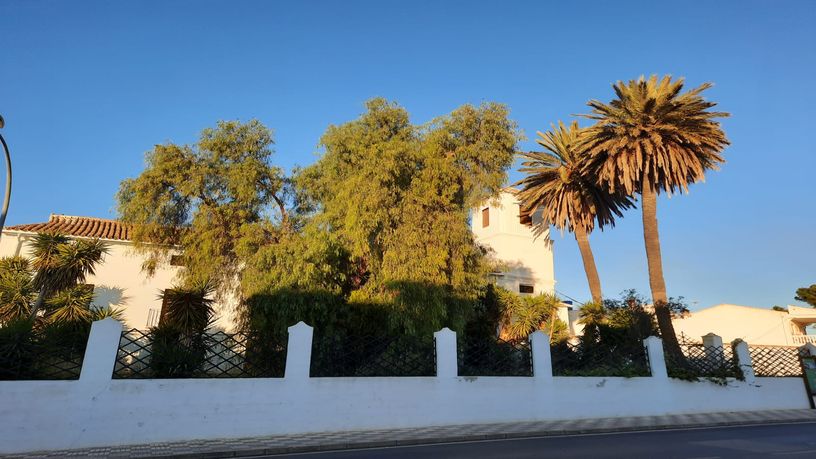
(109, 296)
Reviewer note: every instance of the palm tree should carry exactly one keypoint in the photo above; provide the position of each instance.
(61, 263)
(653, 139)
(570, 199)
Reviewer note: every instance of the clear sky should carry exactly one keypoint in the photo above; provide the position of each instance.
(88, 87)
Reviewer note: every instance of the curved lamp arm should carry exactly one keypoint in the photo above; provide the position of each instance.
(8, 179)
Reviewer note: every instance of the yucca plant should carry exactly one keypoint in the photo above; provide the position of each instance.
(179, 341)
(71, 305)
(17, 290)
(568, 197)
(61, 263)
(653, 138)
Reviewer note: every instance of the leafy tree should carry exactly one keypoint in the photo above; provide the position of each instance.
(807, 294)
(217, 201)
(569, 198)
(651, 139)
(396, 198)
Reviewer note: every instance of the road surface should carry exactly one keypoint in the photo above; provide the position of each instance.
(781, 440)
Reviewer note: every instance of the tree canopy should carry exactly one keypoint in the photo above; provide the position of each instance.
(217, 201)
(807, 295)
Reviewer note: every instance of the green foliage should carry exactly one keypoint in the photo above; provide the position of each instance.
(524, 314)
(70, 305)
(219, 201)
(179, 343)
(189, 310)
(32, 349)
(61, 263)
(17, 291)
(396, 198)
(175, 354)
(54, 277)
(807, 295)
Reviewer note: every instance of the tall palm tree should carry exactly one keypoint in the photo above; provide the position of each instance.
(653, 139)
(61, 263)
(570, 199)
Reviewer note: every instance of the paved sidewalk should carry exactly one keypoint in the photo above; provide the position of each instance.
(280, 444)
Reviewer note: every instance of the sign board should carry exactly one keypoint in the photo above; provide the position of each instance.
(809, 367)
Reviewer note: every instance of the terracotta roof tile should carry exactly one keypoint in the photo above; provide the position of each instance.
(80, 226)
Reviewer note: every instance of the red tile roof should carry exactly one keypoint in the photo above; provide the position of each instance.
(70, 225)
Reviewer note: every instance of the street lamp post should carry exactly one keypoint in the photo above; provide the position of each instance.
(8, 179)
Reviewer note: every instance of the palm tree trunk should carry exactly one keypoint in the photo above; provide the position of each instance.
(655, 261)
(589, 264)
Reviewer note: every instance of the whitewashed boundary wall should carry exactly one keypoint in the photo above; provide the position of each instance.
(98, 411)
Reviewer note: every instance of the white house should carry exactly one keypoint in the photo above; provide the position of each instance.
(119, 280)
(753, 325)
(526, 255)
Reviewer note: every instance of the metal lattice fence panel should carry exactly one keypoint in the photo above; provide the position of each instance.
(494, 357)
(699, 360)
(148, 354)
(776, 361)
(344, 355)
(49, 353)
(624, 358)
(42, 361)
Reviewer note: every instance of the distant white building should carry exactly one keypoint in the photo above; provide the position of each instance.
(527, 255)
(752, 325)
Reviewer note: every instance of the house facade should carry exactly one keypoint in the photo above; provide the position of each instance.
(525, 253)
(119, 280)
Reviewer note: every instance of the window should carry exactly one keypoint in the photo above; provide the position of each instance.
(485, 217)
(524, 288)
(176, 260)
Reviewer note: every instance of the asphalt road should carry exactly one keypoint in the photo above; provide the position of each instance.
(783, 441)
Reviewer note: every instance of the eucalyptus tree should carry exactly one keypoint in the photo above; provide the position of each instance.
(651, 139)
(568, 197)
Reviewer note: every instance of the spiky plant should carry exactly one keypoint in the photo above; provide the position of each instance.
(71, 305)
(569, 198)
(17, 290)
(61, 263)
(188, 309)
(652, 138)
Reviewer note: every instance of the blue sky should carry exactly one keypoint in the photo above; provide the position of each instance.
(88, 87)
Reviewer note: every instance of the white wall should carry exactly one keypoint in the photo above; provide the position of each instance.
(98, 411)
(529, 256)
(754, 325)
